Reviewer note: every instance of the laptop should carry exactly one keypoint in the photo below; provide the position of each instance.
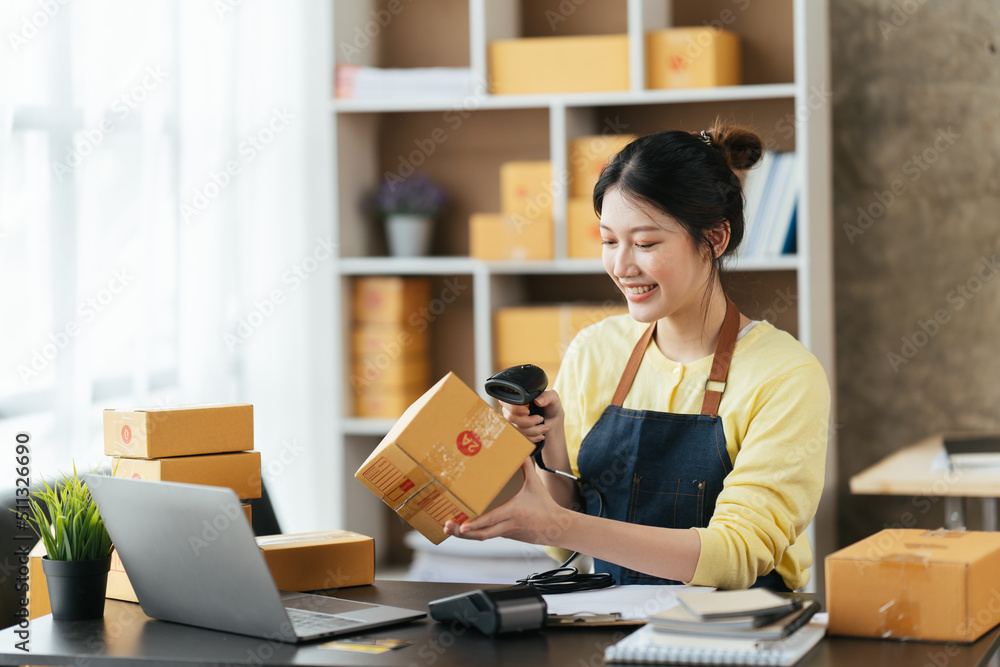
(191, 557)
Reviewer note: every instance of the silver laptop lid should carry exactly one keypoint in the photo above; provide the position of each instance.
(191, 555)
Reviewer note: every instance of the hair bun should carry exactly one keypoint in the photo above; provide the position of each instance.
(740, 147)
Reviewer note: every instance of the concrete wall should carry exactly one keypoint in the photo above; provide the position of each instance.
(916, 142)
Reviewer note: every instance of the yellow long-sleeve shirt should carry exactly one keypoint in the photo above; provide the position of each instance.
(775, 413)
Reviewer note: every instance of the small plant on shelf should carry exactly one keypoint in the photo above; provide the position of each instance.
(408, 207)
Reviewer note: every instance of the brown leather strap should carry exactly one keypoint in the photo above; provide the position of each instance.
(632, 366)
(720, 362)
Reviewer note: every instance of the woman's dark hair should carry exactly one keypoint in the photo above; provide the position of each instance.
(690, 177)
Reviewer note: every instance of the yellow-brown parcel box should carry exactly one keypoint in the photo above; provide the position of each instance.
(321, 560)
(915, 584)
(447, 457)
(156, 433)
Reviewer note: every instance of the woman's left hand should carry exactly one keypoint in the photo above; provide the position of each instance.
(531, 516)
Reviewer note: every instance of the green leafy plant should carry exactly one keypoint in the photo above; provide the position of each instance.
(66, 519)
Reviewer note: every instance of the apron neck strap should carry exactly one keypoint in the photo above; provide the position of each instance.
(720, 361)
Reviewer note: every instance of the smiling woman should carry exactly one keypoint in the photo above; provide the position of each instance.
(705, 431)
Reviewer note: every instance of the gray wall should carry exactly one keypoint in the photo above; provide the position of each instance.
(916, 136)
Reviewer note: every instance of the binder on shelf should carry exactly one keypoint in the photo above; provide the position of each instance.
(770, 198)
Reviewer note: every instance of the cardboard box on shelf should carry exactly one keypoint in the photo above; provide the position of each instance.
(447, 457)
(915, 584)
(578, 63)
(239, 471)
(396, 341)
(526, 190)
(392, 373)
(544, 332)
(389, 299)
(587, 157)
(375, 402)
(698, 57)
(321, 560)
(583, 232)
(155, 433)
(495, 236)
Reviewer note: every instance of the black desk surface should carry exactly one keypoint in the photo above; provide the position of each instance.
(126, 636)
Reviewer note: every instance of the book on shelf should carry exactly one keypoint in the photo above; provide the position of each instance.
(357, 82)
(770, 201)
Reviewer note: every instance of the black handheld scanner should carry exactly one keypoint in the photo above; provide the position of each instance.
(520, 385)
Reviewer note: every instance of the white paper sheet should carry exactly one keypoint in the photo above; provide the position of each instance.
(632, 602)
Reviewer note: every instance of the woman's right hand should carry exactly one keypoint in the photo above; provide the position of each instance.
(532, 426)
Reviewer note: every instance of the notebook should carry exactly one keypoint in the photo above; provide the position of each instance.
(192, 558)
(646, 645)
(731, 604)
(679, 619)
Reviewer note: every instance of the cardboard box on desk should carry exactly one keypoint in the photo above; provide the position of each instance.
(915, 584)
(320, 560)
(239, 471)
(697, 57)
(577, 63)
(155, 433)
(447, 457)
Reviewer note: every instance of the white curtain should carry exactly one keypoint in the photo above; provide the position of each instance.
(191, 198)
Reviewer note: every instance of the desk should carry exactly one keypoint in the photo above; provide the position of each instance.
(908, 472)
(126, 636)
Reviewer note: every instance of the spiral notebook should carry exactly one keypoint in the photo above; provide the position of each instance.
(647, 645)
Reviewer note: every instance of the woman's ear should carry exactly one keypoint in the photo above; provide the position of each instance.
(719, 238)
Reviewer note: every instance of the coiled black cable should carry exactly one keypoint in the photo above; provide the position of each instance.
(566, 579)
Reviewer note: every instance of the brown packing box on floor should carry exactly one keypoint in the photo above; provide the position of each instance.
(447, 457)
(239, 471)
(320, 560)
(915, 584)
(155, 433)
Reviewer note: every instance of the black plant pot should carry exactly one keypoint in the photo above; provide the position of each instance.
(77, 589)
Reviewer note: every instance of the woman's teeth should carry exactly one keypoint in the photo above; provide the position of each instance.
(639, 290)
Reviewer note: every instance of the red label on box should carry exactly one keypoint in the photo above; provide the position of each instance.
(439, 508)
(469, 443)
(126, 434)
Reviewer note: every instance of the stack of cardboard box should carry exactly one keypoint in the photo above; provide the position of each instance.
(390, 343)
(587, 157)
(196, 445)
(523, 229)
(212, 445)
(540, 335)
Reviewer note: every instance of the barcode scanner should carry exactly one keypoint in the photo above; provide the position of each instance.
(521, 385)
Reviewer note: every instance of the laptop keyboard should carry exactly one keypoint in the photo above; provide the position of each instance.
(306, 623)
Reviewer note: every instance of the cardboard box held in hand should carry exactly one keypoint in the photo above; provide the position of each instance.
(448, 457)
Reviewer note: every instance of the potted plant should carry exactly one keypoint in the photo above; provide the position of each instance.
(408, 207)
(77, 547)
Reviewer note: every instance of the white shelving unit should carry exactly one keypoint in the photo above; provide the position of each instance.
(785, 57)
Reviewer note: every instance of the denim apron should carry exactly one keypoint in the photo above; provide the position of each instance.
(658, 468)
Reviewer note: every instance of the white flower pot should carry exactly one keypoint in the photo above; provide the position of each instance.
(409, 234)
